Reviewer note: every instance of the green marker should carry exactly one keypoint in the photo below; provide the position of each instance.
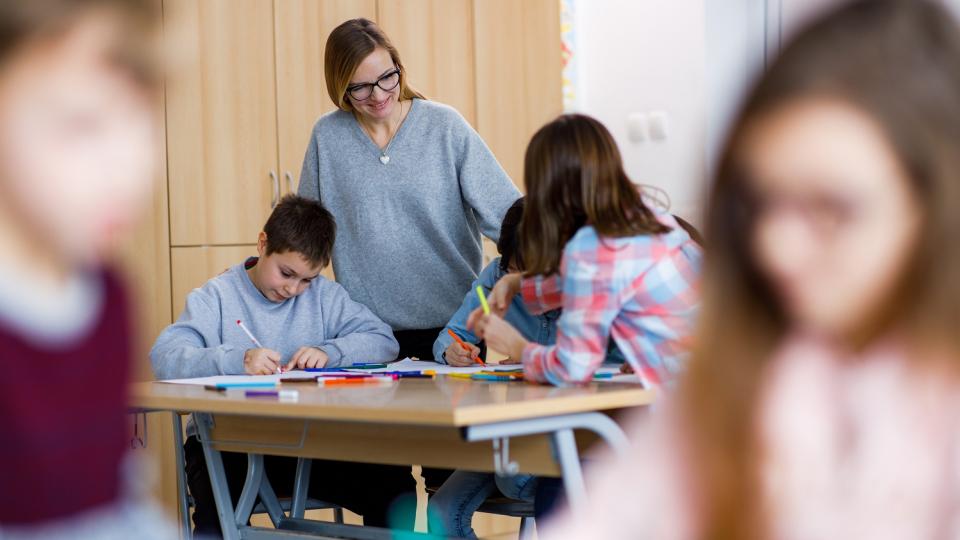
(483, 300)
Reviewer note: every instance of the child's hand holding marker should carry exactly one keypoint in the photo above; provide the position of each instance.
(498, 333)
(307, 357)
(460, 353)
(261, 362)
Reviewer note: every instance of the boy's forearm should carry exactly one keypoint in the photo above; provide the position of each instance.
(179, 362)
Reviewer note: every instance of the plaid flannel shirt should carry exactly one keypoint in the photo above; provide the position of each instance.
(641, 291)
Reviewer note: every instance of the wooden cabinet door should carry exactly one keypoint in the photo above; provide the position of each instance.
(518, 73)
(221, 120)
(435, 40)
(194, 266)
(302, 27)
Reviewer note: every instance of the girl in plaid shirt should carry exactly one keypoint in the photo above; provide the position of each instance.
(592, 247)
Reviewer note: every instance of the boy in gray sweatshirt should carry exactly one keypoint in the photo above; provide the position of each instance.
(299, 320)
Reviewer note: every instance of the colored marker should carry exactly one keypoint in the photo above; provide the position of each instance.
(464, 345)
(226, 386)
(483, 300)
(253, 339)
(487, 377)
(372, 381)
(282, 395)
(367, 366)
(510, 374)
(293, 380)
(358, 376)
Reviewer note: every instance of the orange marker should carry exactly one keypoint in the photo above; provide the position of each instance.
(464, 345)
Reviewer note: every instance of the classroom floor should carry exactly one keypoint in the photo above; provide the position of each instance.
(488, 526)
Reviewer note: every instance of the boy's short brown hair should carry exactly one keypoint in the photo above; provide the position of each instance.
(303, 226)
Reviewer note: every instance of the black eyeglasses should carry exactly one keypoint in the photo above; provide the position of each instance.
(388, 82)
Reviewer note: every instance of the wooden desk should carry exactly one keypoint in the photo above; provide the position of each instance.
(442, 422)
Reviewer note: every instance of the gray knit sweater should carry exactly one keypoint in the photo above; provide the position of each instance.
(408, 231)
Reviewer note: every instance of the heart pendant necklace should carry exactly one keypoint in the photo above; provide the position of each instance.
(384, 158)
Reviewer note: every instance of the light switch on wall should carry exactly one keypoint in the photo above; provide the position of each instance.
(637, 127)
(658, 125)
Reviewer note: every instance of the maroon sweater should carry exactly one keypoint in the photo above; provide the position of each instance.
(63, 427)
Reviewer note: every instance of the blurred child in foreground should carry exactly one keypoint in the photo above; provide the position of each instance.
(823, 395)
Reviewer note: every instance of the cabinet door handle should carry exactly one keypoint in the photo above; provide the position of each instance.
(275, 184)
(289, 177)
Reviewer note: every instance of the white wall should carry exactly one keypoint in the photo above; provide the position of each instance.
(796, 13)
(735, 44)
(693, 59)
(637, 56)
(954, 4)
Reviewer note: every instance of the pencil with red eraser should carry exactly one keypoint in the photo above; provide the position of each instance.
(254, 339)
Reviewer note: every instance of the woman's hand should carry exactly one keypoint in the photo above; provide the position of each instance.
(455, 355)
(308, 357)
(498, 333)
(503, 292)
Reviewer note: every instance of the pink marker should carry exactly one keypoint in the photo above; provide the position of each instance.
(253, 339)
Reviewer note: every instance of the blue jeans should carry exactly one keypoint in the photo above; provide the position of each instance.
(450, 510)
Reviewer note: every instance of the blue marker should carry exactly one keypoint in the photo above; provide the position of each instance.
(224, 386)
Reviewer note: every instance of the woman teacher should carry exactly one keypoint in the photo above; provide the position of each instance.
(412, 187)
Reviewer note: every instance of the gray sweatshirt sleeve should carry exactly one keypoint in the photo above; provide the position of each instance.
(483, 182)
(353, 333)
(192, 346)
(310, 172)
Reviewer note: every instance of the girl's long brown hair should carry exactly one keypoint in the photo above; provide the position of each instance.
(574, 176)
(899, 62)
(347, 46)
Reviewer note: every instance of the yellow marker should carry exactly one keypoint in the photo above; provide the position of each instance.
(460, 375)
(483, 300)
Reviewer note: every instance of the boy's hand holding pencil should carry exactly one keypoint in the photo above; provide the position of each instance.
(261, 362)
